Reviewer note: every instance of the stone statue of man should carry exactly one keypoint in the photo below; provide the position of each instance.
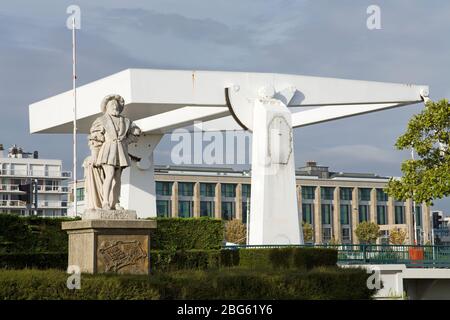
(109, 138)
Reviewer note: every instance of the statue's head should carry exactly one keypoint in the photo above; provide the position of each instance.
(113, 104)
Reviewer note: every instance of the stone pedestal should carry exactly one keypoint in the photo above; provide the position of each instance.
(110, 246)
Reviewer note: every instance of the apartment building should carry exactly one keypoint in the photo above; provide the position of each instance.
(18, 168)
(334, 203)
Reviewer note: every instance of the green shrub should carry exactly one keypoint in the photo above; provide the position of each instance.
(52, 285)
(230, 283)
(167, 260)
(187, 234)
(32, 234)
(286, 258)
(40, 260)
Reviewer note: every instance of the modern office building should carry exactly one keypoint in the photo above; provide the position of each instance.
(334, 203)
(19, 168)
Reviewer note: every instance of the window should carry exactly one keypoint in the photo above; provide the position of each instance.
(326, 234)
(381, 215)
(207, 209)
(364, 194)
(163, 208)
(227, 210)
(326, 193)
(346, 234)
(381, 195)
(308, 193)
(207, 189)
(363, 213)
(345, 214)
(50, 186)
(245, 207)
(399, 215)
(80, 194)
(246, 190)
(326, 213)
(186, 189)
(185, 209)
(228, 190)
(346, 193)
(163, 188)
(307, 210)
(418, 213)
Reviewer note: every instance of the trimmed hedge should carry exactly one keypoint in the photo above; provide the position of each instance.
(167, 260)
(321, 283)
(187, 233)
(39, 234)
(41, 260)
(285, 258)
(32, 234)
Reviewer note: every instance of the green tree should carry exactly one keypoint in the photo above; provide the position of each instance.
(235, 232)
(307, 232)
(397, 236)
(427, 177)
(367, 232)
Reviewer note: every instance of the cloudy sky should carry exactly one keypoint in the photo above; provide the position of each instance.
(315, 37)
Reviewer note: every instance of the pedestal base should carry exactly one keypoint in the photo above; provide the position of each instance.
(110, 246)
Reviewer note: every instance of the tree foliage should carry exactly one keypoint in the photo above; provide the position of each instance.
(367, 232)
(307, 232)
(397, 236)
(427, 177)
(235, 232)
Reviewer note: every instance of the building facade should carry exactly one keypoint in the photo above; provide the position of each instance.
(333, 203)
(17, 169)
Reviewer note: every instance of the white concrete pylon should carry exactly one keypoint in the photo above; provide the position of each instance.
(274, 217)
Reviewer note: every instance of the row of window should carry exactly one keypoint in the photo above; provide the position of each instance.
(363, 214)
(207, 209)
(346, 235)
(206, 189)
(327, 193)
(229, 190)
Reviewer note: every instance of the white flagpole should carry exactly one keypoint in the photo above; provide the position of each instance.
(414, 215)
(74, 82)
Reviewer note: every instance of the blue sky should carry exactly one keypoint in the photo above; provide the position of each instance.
(322, 38)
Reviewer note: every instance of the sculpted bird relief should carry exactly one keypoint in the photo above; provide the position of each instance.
(116, 255)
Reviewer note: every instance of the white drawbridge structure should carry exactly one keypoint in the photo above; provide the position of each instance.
(268, 105)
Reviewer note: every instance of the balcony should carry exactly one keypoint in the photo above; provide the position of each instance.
(36, 174)
(10, 188)
(52, 204)
(13, 204)
(50, 174)
(52, 189)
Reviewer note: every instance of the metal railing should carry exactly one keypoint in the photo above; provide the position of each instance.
(9, 187)
(54, 189)
(40, 188)
(36, 173)
(423, 256)
(52, 204)
(13, 204)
